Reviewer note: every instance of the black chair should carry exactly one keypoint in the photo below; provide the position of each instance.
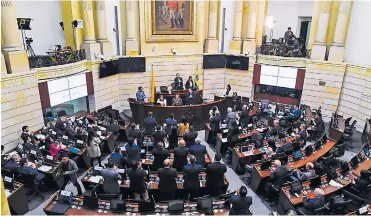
(340, 150)
(173, 86)
(30, 181)
(320, 211)
(164, 89)
(355, 199)
(338, 205)
(347, 121)
(349, 130)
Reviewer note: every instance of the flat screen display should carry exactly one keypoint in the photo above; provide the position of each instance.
(131, 64)
(108, 68)
(237, 62)
(286, 82)
(213, 61)
(268, 80)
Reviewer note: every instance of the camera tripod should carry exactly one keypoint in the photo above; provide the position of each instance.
(29, 49)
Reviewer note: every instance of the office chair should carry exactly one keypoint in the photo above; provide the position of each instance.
(164, 89)
(365, 192)
(340, 150)
(348, 134)
(109, 197)
(349, 130)
(30, 181)
(320, 211)
(172, 86)
(347, 121)
(355, 199)
(338, 205)
(6, 172)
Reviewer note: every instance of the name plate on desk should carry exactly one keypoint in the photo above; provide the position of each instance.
(98, 168)
(64, 137)
(49, 157)
(33, 152)
(20, 146)
(66, 193)
(80, 122)
(121, 170)
(89, 125)
(54, 133)
(79, 141)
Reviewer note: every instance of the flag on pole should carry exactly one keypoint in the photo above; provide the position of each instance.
(197, 82)
(153, 86)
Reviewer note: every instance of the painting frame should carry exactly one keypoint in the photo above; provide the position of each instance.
(153, 35)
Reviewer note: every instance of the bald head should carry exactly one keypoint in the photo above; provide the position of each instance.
(277, 163)
(309, 166)
(167, 163)
(181, 142)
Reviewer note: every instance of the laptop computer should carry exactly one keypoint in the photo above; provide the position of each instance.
(59, 209)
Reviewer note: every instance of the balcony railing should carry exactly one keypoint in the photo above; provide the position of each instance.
(279, 49)
(56, 58)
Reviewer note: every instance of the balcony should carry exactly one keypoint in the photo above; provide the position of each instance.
(56, 58)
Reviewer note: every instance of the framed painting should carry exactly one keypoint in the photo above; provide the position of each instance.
(171, 20)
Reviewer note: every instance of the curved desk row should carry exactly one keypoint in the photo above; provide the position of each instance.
(196, 115)
(182, 94)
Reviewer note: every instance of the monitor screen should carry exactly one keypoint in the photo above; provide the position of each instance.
(354, 161)
(90, 202)
(213, 61)
(308, 150)
(204, 203)
(345, 169)
(131, 64)
(315, 182)
(237, 62)
(108, 68)
(176, 206)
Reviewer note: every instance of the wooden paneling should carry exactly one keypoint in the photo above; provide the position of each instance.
(300, 79)
(256, 76)
(89, 83)
(44, 95)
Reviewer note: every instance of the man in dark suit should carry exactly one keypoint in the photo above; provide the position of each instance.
(158, 135)
(310, 204)
(191, 178)
(25, 133)
(178, 82)
(215, 126)
(60, 126)
(303, 135)
(132, 152)
(138, 182)
(12, 164)
(28, 145)
(240, 202)
(190, 137)
(191, 97)
(170, 122)
(180, 156)
(159, 154)
(275, 129)
(199, 152)
(244, 116)
(111, 177)
(70, 131)
(167, 185)
(277, 177)
(136, 133)
(215, 176)
(29, 168)
(149, 124)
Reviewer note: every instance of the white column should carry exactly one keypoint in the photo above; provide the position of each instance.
(92, 48)
(235, 45)
(212, 43)
(105, 44)
(319, 45)
(131, 41)
(250, 44)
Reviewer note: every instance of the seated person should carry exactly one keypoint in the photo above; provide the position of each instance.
(294, 112)
(12, 164)
(277, 177)
(55, 148)
(110, 177)
(240, 202)
(275, 129)
(199, 152)
(29, 168)
(28, 145)
(363, 181)
(285, 145)
(311, 204)
(117, 158)
(309, 173)
(177, 101)
(158, 135)
(161, 100)
(132, 151)
(268, 154)
(70, 130)
(258, 144)
(80, 134)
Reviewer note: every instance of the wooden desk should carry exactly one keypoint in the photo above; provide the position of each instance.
(149, 162)
(288, 201)
(82, 159)
(52, 174)
(259, 175)
(17, 200)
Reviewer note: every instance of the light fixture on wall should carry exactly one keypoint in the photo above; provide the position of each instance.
(173, 50)
(269, 23)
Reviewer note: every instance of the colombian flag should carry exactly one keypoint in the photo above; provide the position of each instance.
(197, 82)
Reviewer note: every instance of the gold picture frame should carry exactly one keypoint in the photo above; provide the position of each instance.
(183, 28)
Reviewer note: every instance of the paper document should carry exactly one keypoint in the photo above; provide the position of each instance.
(223, 126)
(335, 184)
(44, 168)
(95, 179)
(121, 170)
(103, 137)
(224, 140)
(225, 131)
(7, 193)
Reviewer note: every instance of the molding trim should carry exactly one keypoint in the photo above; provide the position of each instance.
(282, 61)
(60, 70)
(326, 66)
(358, 69)
(21, 79)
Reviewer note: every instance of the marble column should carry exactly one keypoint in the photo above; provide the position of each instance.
(319, 45)
(236, 43)
(15, 56)
(249, 44)
(131, 41)
(260, 19)
(337, 48)
(102, 39)
(212, 43)
(90, 45)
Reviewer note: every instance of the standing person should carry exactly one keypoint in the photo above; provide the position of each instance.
(170, 122)
(149, 124)
(215, 126)
(167, 185)
(183, 127)
(138, 181)
(60, 126)
(287, 35)
(132, 152)
(180, 156)
(173, 138)
(215, 176)
(172, 5)
(70, 170)
(190, 137)
(228, 91)
(140, 95)
(93, 148)
(158, 135)
(189, 84)
(178, 82)
(244, 116)
(136, 133)
(191, 97)
(25, 133)
(240, 202)
(180, 14)
(111, 177)
(191, 178)
(230, 117)
(199, 152)
(277, 177)
(159, 154)
(233, 132)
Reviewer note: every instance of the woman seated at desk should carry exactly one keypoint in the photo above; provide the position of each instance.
(161, 101)
(177, 101)
(189, 84)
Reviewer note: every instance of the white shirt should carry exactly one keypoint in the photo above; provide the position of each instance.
(230, 94)
(162, 103)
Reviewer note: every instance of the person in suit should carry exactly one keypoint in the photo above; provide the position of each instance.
(309, 173)
(93, 148)
(167, 185)
(275, 129)
(170, 122)
(140, 95)
(70, 171)
(215, 176)
(232, 136)
(158, 135)
(285, 145)
(173, 137)
(310, 204)
(29, 168)
(177, 101)
(132, 151)
(244, 116)
(190, 137)
(117, 158)
(138, 181)
(230, 117)
(159, 154)
(191, 173)
(240, 202)
(363, 181)
(277, 177)
(136, 133)
(180, 156)
(320, 125)
(80, 134)
(199, 152)
(191, 96)
(228, 91)
(25, 133)
(111, 177)
(215, 126)
(190, 84)
(149, 124)
(12, 164)
(294, 112)
(178, 82)
(303, 134)
(28, 145)
(183, 127)
(60, 127)
(70, 131)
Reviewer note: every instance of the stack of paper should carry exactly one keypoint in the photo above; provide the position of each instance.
(224, 140)
(7, 193)
(95, 179)
(335, 184)
(45, 168)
